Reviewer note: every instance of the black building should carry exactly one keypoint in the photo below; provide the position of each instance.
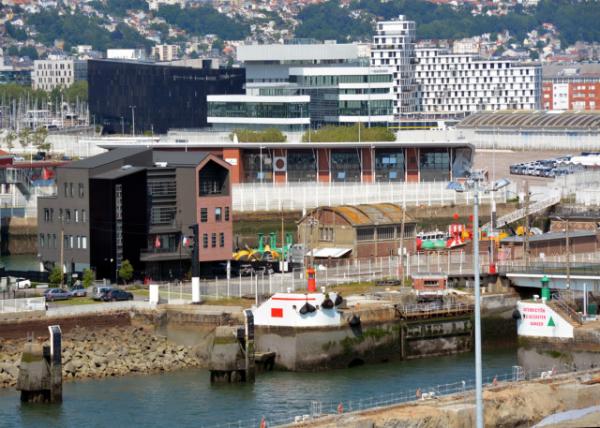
(156, 97)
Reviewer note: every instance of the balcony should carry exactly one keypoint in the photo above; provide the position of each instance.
(164, 254)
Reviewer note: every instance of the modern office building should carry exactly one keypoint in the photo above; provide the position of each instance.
(463, 83)
(48, 74)
(571, 87)
(9, 74)
(270, 63)
(155, 97)
(312, 96)
(394, 46)
(352, 162)
(129, 54)
(137, 204)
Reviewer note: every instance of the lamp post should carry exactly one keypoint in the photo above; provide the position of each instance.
(132, 120)
(473, 184)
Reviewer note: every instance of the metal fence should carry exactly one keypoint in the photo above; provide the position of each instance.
(302, 196)
(22, 305)
(463, 390)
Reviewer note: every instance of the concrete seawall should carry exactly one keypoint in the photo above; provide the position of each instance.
(517, 405)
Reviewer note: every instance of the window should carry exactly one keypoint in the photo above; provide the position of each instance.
(84, 242)
(66, 241)
(41, 240)
(384, 233)
(326, 233)
(53, 241)
(226, 213)
(365, 234)
(205, 240)
(203, 215)
(71, 189)
(218, 213)
(83, 216)
(46, 215)
(78, 241)
(221, 239)
(81, 190)
(66, 190)
(76, 216)
(71, 241)
(67, 216)
(213, 240)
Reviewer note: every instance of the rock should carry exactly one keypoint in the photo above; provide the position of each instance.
(99, 360)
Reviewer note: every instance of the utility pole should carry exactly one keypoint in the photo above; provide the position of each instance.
(526, 231)
(568, 244)
(62, 253)
(402, 243)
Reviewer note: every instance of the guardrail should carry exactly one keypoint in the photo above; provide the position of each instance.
(463, 389)
(22, 305)
(427, 310)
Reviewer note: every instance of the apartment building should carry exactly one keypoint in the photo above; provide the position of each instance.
(571, 87)
(48, 74)
(165, 52)
(137, 204)
(394, 46)
(464, 83)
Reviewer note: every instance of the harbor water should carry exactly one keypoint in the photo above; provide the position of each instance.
(186, 398)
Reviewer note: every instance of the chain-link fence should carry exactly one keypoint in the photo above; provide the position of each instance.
(462, 390)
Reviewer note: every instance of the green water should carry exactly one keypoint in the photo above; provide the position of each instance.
(186, 398)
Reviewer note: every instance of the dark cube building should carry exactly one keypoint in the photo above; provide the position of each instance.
(164, 96)
(137, 204)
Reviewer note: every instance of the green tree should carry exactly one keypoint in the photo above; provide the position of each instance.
(357, 132)
(10, 138)
(25, 137)
(38, 138)
(125, 271)
(88, 277)
(56, 276)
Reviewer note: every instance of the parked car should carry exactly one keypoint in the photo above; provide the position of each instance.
(53, 294)
(116, 294)
(99, 291)
(22, 283)
(78, 291)
(246, 269)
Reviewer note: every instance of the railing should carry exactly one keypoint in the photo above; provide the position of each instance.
(567, 309)
(425, 310)
(301, 196)
(22, 305)
(462, 390)
(521, 212)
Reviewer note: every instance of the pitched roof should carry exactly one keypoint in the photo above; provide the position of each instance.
(106, 158)
(179, 158)
(368, 214)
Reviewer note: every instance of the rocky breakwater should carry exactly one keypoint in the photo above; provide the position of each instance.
(108, 352)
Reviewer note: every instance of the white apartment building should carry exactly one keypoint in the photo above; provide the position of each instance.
(52, 73)
(394, 46)
(465, 83)
(165, 52)
(129, 54)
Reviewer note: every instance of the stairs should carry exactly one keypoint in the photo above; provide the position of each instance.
(565, 311)
(520, 213)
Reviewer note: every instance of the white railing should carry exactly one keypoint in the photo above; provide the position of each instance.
(61, 311)
(302, 196)
(22, 305)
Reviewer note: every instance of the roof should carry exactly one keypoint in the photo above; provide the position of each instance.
(326, 253)
(179, 158)
(113, 174)
(106, 158)
(563, 121)
(551, 236)
(571, 71)
(368, 214)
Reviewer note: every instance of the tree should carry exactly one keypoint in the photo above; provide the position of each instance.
(10, 138)
(56, 276)
(126, 271)
(38, 138)
(25, 137)
(88, 277)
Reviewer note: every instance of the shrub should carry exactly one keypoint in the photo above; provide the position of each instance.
(269, 135)
(56, 276)
(350, 133)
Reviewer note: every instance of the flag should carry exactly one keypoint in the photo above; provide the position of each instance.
(157, 242)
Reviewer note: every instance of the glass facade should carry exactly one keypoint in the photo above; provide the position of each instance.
(164, 96)
(389, 165)
(301, 165)
(336, 80)
(365, 108)
(253, 171)
(283, 110)
(345, 166)
(434, 164)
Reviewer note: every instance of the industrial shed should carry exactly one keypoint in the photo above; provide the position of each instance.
(357, 231)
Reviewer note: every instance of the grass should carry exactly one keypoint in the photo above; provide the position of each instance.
(140, 292)
(76, 301)
(231, 301)
(354, 288)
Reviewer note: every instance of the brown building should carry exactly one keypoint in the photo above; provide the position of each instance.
(137, 204)
(551, 244)
(358, 231)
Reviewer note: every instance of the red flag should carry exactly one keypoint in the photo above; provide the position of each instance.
(157, 242)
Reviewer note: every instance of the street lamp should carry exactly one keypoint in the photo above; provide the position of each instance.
(132, 120)
(473, 184)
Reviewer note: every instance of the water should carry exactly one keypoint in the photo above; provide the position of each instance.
(186, 398)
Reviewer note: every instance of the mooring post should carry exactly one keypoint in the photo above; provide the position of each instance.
(249, 337)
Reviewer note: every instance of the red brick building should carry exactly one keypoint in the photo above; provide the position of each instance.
(571, 87)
